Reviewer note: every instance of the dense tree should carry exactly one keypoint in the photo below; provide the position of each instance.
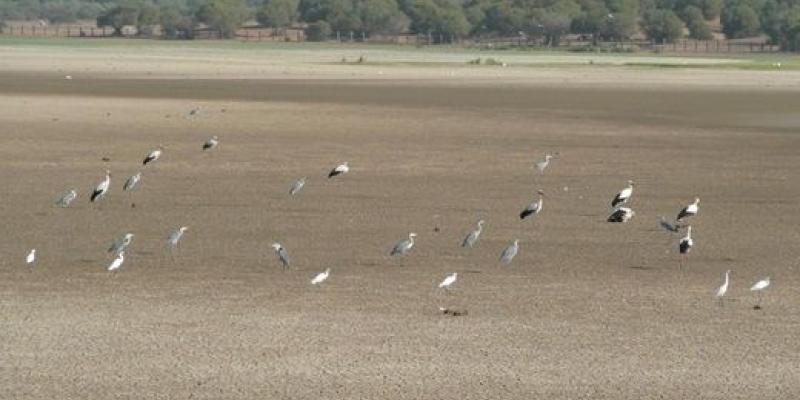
(118, 17)
(176, 21)
(381, 17)
(438, 17)
(277, 13)
(739, 19)
(663, 26)
(224, 16)
(695, 21)
(592, 20)
(547, 20)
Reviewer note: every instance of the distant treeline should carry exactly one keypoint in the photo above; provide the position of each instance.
(660, 20)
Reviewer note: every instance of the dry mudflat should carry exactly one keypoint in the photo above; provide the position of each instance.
(587, 310)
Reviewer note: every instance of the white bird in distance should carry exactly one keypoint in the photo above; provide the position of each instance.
(321, 277)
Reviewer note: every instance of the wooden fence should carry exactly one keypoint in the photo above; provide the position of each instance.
(571, 43)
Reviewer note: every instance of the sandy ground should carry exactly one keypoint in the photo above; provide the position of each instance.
(587, 310)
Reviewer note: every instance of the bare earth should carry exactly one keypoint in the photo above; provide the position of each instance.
(587, 310)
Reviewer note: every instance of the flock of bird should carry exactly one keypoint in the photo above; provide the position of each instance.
(619, 214)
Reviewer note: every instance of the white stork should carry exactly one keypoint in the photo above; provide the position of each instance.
(621, 215)
(101, 189)
(685, 245)
(154, 155)
(533, 208)
(210, 144)
(689, 211)
(623, 196)
(340, 169)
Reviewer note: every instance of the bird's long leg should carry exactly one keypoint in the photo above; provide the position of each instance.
(758, 301)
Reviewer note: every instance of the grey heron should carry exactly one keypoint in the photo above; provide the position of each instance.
(472, 237)
(66, 199)
(101, 188)
(533, 208)
(297, 186)
(690, 210)
(154, 155)
(404, 246)
(623, 196)
(321, 277)
(340, 169)
(175, 237)
(120, 244)
(668, 225)
(509, 252)
(283, 255)
(132, 182)
(542, 165)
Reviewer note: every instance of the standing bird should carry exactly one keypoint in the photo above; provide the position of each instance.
(473, 236)
(448, 281)
(758, 288)
(175, 237)
(210, 144)
(121, 244)
(622, 214)
(117, 261)
(340, 169)
(132, 182)
(724, 288)
(297, 186)
(31, 257)
(66, 199)
(101, 189)
(533, 208)
(282, 254)
(542, 165)
(404, 246)
(623, 196)
(668, 225)
(690, 210)
(508, 254)
(321, 277)
(685, 245)
(154, 155)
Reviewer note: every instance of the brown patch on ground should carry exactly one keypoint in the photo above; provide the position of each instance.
(586, 310)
